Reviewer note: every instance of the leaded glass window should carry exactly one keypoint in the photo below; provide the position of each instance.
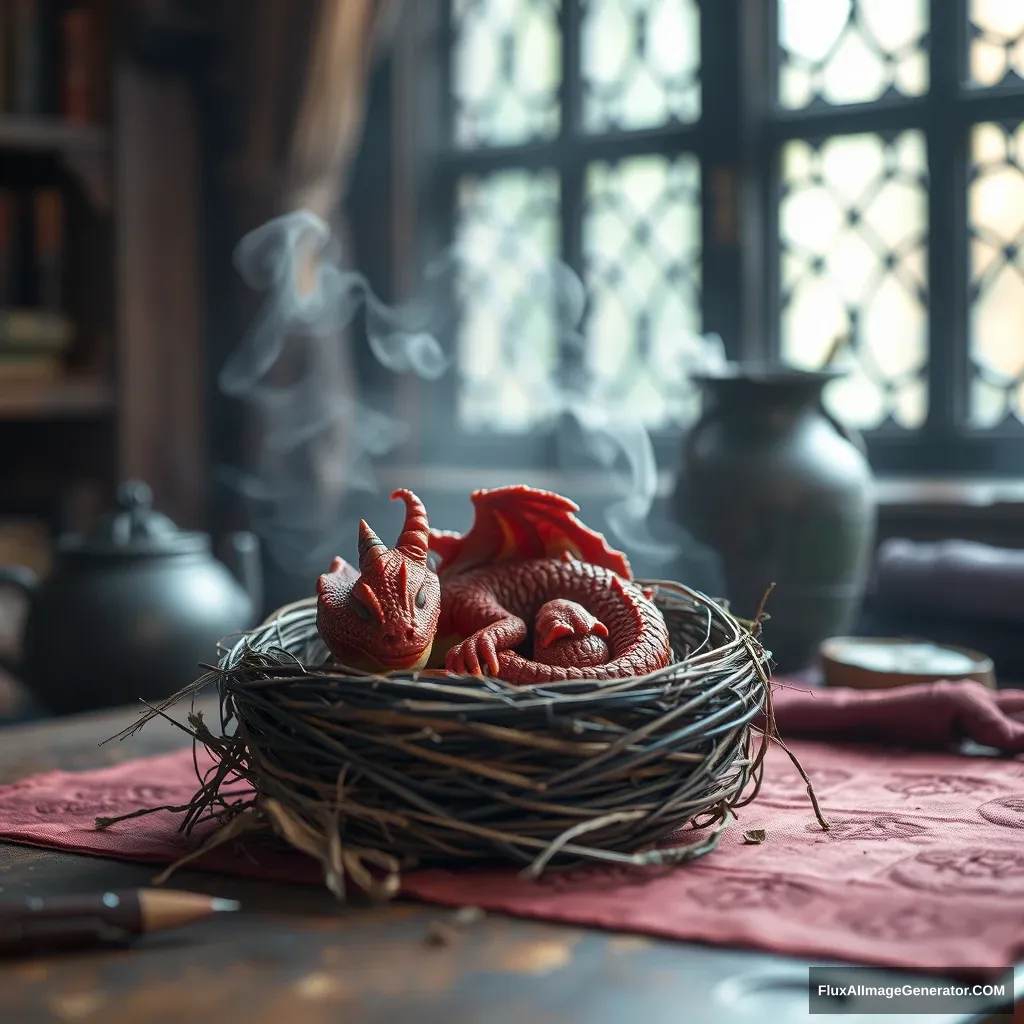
(640, 63)
(879, 148)
(996, 211)
(506, 71)
(851, 51)
(572, 134)
(853, 232)
(507, 227)
(898, 208)
(997, 42)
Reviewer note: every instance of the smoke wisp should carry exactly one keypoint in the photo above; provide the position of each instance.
(320, 438)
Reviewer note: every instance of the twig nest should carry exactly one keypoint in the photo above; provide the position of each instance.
(375, 774)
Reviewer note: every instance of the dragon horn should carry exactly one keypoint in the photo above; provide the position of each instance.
(371, 547)
(414, 539)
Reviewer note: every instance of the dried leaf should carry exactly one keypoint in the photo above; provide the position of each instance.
(754, 837)
(444, 933)
(441, 934)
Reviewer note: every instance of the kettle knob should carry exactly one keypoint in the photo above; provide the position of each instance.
(133, 495)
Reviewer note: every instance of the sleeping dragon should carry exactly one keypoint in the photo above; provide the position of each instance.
(529, 595)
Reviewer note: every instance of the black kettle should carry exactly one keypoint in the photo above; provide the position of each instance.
(131, 609)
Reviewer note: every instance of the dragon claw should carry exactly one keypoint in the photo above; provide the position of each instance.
(477, 656)
(556, 632)
(561, 618)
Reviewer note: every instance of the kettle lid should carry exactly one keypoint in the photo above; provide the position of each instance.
(135, 530)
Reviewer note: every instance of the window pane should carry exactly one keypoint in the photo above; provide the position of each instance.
(506, 234)
(640, 62)
(506, 71)
(852, 226)
(996, 216)
(851, 51)
(641, 248)
(997, 42)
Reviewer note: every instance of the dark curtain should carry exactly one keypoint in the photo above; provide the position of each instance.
(302, 76)
(294, 92)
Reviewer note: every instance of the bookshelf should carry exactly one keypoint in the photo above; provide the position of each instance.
(58, 395)
(100, 165)
(82, 149)
(52, 135)
(73, 397)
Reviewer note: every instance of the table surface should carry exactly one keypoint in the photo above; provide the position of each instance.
(294, 954)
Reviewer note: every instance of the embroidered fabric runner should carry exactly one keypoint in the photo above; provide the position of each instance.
(922, 869)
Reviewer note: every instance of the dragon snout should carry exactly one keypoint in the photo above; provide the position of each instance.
(395, 637)
(400, 648)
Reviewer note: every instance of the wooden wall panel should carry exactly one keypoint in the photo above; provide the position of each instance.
(160, 371)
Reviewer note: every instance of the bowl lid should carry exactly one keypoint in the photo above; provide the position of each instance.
(134, 530)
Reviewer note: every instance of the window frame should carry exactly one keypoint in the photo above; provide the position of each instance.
(738, 141)
(945, 114)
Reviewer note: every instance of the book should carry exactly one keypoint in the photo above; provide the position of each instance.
(34, 331)
(5, 52)
(29, 366)
(26, 48)
(48, 204)
(8, 247)
(78, 64)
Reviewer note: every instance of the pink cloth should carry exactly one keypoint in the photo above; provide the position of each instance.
(922, 869)
(930, 716)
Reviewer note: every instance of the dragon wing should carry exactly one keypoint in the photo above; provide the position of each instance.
(521, 522)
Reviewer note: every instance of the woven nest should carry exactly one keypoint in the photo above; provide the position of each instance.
(375, 774)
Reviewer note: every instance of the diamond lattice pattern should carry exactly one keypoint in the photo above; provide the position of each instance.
(642, 257)
(851, 51)
(997, 42)
(853, 265)
(506, 236)
(640, 63)
(996, 213)
(506, 71)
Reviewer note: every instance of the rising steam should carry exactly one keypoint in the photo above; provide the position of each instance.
(319, 440)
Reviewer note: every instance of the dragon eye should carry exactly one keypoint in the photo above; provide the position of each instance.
(421, 597)
(361, 610)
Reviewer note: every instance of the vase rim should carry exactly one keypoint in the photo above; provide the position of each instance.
(769, 374)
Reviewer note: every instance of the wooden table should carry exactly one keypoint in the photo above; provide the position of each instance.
(296, 956)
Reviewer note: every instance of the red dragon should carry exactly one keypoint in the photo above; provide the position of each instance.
(529, 576)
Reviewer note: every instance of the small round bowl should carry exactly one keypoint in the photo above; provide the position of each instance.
(871, 663)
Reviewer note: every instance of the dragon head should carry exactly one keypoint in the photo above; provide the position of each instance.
(384, 617)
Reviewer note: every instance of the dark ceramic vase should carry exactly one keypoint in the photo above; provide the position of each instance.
(784, 494)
